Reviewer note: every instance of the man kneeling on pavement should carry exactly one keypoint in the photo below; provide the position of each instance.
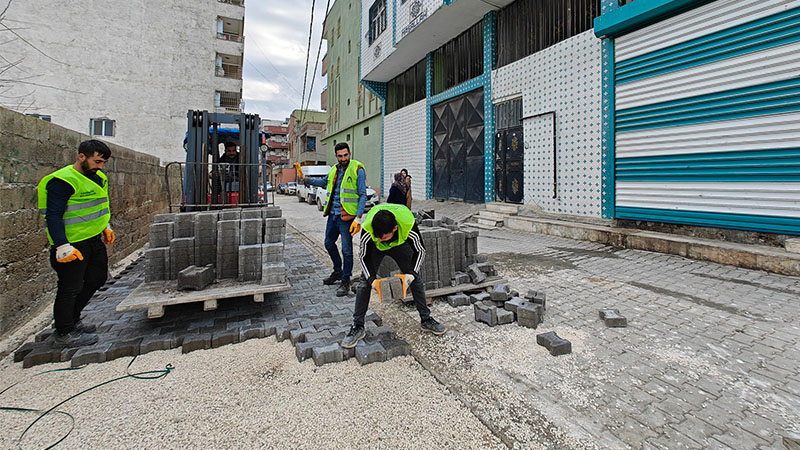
(390, 230)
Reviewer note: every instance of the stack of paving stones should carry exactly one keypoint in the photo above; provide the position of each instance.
(451, 254)
(242, 244)
(501, 305)
(309, 316)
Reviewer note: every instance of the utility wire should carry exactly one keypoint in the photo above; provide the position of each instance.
(308, 55)
(33, 46)
(5, 9)
(288, 83)
(316, 64)
(270, 81)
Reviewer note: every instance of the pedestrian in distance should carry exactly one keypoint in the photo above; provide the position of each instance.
(398, 190)
(390, 230)
(407, 179)
(347, 195)
(75, 206)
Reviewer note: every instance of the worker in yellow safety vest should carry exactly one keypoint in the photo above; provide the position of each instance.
(347, 195)
(390, 230)
(75, 206)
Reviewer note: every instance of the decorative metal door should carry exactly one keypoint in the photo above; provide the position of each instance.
(509, 153)
(458, 139)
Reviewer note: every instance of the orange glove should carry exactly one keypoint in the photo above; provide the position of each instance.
(66, 253)
(108, 236)
(355, 227)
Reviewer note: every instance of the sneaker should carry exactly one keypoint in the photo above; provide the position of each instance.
(84, 327)
(74, 339)
(353, 336)
(343, 290)
(332, 279)
(430, 324)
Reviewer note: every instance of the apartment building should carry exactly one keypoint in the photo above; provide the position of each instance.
(306, 128)
(126, 74)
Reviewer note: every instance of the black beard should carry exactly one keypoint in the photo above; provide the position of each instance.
(85, 168)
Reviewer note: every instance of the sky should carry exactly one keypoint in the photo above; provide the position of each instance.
(276, 41)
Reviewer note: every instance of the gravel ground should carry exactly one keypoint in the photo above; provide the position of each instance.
(253, 394)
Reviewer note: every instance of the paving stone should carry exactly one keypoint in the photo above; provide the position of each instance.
(305, 350)
(160, 342)
(480, 258)
(220, 338)
(181, 255)
(166, 217)
(227, 247)
(299, 335)
(251, 232)
(251, 213)
(26, 348)
(370, 353)
(253, 331)
(460, 278)
(271, 212)
(504, 317)
(499, 293)
(184, 225)
(249, 265)
(160, 234)
(196, 342)
(327, 354)
(380, 333)
(485, 313)
(281, 333)
(479, 297)
(90, 355)
(231, 214)
(67, 353)
(459, 299)
(396, 347)
(44, 334)
(553, 343)
(41, 355)
(538, 297)
(513, 304)
(325, 334)
(195, 278)
(528, 315)
(158, 264)
(122, 349)
(612, 318)
(475, 274)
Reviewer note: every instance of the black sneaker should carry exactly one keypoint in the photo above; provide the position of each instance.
(430, 324)
(343, 290)
(353, 336)
(84, 327)
(332, 279)
(74, 339)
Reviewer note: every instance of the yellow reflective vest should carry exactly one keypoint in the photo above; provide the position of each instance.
(348, 189)
(88, 210)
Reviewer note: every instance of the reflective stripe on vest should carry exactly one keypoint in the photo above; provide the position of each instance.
(348, 189)
(405, 222)
(87, 212)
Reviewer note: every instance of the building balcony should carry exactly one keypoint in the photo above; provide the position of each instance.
(312, 157)
(229, 71)
(233, 2)
(230, 37)
(230, 29)
(228, 101)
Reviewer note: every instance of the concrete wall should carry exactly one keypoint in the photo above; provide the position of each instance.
(565, 78)
(405, 146)
(142, 64)
(30, 149)
(383, 46)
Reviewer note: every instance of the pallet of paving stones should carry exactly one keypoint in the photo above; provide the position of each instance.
(206, 256)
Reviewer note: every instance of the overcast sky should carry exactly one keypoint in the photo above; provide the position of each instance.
(276, 40)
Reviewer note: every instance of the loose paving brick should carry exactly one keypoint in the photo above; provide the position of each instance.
(458, 300)
(475, 274)
(513, 304)
(504, 317)
(299, 334)
(254, 331)
(480, 297)
(612, 318)
(370, 353)
(499, 293)
(90, 355)
(554, 344)
(196, 278)
(528, 315)
(485, 313)
(538, 297)
(395, 348)
(328, 354)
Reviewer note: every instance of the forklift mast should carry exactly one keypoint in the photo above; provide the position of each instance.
(202, 148)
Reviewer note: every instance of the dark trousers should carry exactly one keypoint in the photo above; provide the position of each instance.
(404, 256)
(78, 280)
(337, 227)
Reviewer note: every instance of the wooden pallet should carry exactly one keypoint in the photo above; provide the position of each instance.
(156, 295)
(466, 287)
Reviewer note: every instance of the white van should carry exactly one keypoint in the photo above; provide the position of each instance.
(306, 193)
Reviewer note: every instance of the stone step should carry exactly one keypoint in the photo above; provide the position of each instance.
(502, 208)
(792, 245)
(488, 222)
(480, 226)
(483, 214)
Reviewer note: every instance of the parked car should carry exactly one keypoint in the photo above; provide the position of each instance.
(282, 188)
(372, 198)
(270, 187)
(291, 187)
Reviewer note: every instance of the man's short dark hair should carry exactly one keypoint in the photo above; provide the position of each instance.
(341, 146)
(92, 146)
(230, 144)
(383, 223)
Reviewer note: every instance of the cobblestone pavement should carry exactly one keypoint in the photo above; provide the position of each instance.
(309, 315)
(709, 358)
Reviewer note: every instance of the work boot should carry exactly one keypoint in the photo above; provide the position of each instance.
(355, 334)
(332, 279)
(344, 289)
(74, 339)
(433, 326)
(84, 327)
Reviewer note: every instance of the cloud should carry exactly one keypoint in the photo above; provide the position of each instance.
(276, 42)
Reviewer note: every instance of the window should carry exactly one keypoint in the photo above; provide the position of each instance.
(459, 60)
(102, 127)
(406, 88)
(377, 19)
(311, 143)
(348, 102)
(348, 46)
(348, 137)
(528, 26)
(46, 118)
(366, 131)
(339, 28)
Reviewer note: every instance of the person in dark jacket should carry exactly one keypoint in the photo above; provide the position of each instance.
(397, 193)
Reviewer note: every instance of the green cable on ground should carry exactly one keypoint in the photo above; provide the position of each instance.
(146, 375)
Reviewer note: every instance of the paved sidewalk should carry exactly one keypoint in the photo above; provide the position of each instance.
(709, 359)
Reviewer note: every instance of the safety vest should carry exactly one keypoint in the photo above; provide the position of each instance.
(348, 189)
(87, 212)
(405, 221)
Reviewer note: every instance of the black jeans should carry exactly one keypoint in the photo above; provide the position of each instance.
(78, 280)
(404, 256)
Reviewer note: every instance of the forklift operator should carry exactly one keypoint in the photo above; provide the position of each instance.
(231, 156)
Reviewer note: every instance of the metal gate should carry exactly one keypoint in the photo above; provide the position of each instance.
(458, 138)
(509, 152)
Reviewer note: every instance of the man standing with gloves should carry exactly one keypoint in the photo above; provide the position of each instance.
(347, 194)
(74, 203)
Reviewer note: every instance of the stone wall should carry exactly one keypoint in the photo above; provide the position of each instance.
(30, 149)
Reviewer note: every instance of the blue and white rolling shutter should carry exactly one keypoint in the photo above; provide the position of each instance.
(707, 118)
